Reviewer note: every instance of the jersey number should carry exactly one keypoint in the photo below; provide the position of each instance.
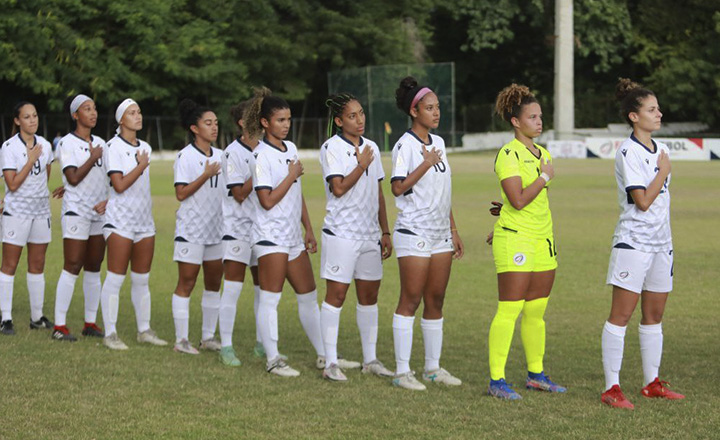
(99, 163)
(36, 169)
(440, 167)
(214, 181)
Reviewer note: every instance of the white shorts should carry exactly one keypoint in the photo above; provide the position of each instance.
(193, 253)
(344, 260)
(238, 250)
(21, 231)
(80, 228)
(635, 270)
(410, 245)
(134, 236)
(263, 248)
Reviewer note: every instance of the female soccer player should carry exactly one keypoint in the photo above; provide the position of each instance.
(129, 227)
(426, 237)
(199, 186)
(641, 261)
(277, 237)
(26, 160)
(355, 236)
(83, 206)
(523, 244)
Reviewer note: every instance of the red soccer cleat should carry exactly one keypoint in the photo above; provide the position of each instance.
(658, 388)
(614, 397)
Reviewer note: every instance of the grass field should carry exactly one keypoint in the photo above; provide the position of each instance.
(82, 390)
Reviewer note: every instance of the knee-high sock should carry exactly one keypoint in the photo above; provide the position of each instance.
(256, 306)
(651, 344)
(532, 331)
(92, 288)
(7, 284)
(181, 316)
(110, 300)
(403, 339)
(36, 291)
(501, 334)
(210, 311)
(330, 324)
(367, 322)
(228, 310)
(268, 322)
(613, 344)
(433, 338)
(140, 295)
(63, 296)
(310, 319)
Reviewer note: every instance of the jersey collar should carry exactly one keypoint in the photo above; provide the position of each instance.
(412, 133)
(23, 141)
(523, 146)
(84, 140)
(201, 151)
(243, 144)
(127, 142)
(348, 140)
(632, 136)
(265, 139)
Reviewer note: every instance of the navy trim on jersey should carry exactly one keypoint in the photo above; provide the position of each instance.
(265, 243)
(263, 187)
(623, 246)
(405, 231)
(397, 178)
(68, 166)
(9, 169)
(35, 142)
(265, 139)
(408, 192)
(114, 172)
(109, 226)
(348, 140)
(181, 240)
(418, 138)
(7, 213)
(328, 231)
(201, 151)
(328, 178)
(632, 136)
(244, 145)
(228, 238)
(84, 140)
(629, 196)
(181, 183)
(380, 179)
(127, 142)
(72, 214)
(233, 185)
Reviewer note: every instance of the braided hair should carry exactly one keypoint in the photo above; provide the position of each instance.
(511, 100)
(630, 95)
(336, 105)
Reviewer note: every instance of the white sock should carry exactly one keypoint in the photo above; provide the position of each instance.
(613, 344)
(140, 295)
(181, 316)
(110, 299)
(210, 313)
(228, 310)
(36, 291)
(7, 283)
(310, 319)
(367, 322)
(403, 339)
(256, 305)
(651, 343)
(63, 296)
(267, 322)
(433, 337)
(329, 324)
(92, 287)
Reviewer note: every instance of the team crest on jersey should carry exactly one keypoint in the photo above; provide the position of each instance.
(230, 168)
(519, 259)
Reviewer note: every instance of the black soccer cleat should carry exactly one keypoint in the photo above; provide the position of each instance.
(6, 327)
(90, 329)
(62, 333)
(43, 322)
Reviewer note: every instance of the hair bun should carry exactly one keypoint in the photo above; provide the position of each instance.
(624, 87)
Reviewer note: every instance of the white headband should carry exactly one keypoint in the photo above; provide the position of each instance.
(77, 102)
(121, 111)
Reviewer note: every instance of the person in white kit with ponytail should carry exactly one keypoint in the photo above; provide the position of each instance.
(129, 227)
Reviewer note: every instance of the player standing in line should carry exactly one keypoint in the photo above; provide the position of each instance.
(129, 227)
(277, 236)
(641, 261)
(199, 186)
(426, 237)
(26, 161)
(523, 244)
(83, 206)
(355, 236)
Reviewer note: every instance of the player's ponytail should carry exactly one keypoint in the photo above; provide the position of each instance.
(511, 100)
(16, 115)
(237, 112)
(262, 106)
(190, 114)
(630, 96)
(409, 93)
(336, 105)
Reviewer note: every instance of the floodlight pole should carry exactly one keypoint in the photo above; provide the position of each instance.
(564, 70)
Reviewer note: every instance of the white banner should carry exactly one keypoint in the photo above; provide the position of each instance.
(680, 148)
(714, 146)
(567, 149)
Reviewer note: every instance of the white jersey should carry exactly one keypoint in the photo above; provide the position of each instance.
(93, 189)
(281, 224)
(31, 200)
(130, 210)
(238, 164)
(199, 218)
(635, 168)
(424, 209)
(354, 215)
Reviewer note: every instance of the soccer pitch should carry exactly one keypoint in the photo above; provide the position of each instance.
(83, 390)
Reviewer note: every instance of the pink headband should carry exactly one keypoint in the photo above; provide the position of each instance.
(420, 95)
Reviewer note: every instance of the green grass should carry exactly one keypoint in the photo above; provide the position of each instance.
(83, 390)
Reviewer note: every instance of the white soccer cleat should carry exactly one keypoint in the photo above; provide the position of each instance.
(441, 376)
(211, 344)
(112, 342)
(278, 367)
(150, 337)
(184, 346)
(408, 381)
(333, 373)
(342, 363)
(377, 368)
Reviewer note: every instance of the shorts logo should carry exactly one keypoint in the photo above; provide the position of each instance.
(519, 259)
(334, 269)
(420, 245)
(235, 250)
(184, 251)
(73, 228)
(11, 234)
(624, 275)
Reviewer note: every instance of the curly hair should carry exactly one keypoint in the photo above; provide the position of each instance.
(511, 100)
(262, 106)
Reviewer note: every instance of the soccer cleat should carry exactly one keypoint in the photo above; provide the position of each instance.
(377, 368)
(184, 346)
(150, 337)
(333, 373)
(228, 357)
(278, 367)
(62, 333)
(342, 363)
(259, 351)
(614, 397)
(91, 329)
(408, 381)
(502, 390)
(540, 382)
(6, 327)
(658, 388)
(43, 322)
(112, 342)
(441, 376)
(211, 344)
